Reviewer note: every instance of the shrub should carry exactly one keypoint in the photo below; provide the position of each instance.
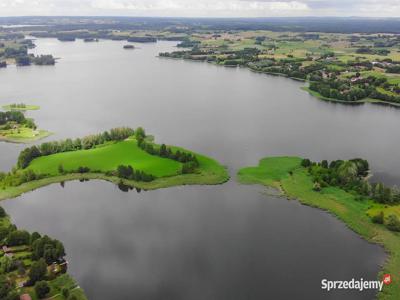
(42, 289)
(378, 218)
(2, 212)
(393, 223)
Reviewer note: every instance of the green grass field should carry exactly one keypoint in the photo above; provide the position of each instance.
(295, 182)
(26, 107)
(107, 158)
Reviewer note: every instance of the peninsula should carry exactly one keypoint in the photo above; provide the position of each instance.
(341, 188)
(121, 155)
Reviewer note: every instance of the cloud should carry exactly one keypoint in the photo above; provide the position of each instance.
(204, 8)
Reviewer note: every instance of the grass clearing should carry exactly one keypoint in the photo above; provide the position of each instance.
(20, 108)
(107, 158)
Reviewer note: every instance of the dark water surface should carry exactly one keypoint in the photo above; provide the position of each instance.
(209, 242)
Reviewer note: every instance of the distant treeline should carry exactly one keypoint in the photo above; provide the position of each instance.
(179, 25)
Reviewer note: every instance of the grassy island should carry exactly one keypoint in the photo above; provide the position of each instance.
(16, 128)
(20, 106)
(121, 156)
(341, 188)
(33, 264)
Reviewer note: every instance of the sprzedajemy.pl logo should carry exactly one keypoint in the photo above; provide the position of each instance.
(354, 284)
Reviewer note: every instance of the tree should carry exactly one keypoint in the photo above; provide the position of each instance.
(140, 134)
(42, 288)
(6, 287)
(65, 292)
(2, 212)
(34, 236)
(305, 163)
(324, 164)
(38, 271)
(47, 248)
(163, 150)
(18, 237)
(125, 172)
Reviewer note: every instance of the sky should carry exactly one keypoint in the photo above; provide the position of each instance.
(202, 8)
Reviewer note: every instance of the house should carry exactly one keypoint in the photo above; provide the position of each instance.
(355, 79)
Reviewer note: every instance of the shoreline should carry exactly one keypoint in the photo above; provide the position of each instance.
(201, 178)
(304, 88)
(294, 187)
(358, 102)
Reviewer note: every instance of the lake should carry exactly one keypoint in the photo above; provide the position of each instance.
(196, 242)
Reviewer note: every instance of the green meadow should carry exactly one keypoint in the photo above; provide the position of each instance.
(286, 174)
(21, 107)
(107, 158)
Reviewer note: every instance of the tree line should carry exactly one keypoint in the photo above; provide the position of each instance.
(127, 172)
(189, 160)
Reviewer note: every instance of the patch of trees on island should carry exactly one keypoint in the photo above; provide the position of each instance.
(8, 118)
(189, 160)
(127, 172)
(351, 176)
(22, 58)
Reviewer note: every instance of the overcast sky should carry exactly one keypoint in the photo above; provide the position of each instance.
(203, 8)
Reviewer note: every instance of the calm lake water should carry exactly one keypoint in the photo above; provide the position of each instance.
(196, 242)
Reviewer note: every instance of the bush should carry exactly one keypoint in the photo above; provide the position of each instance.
(42, 289)
(18, 237)
(393, 223)
(2, 212)
(83, 170)
(38, 271)
(378, 218)
(317, 187)
(305, 163)
(65, 292)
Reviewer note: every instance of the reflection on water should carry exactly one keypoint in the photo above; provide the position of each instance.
(196, 242)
